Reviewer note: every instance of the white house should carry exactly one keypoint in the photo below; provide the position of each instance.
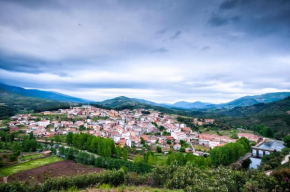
(43, 123)
(178, 135)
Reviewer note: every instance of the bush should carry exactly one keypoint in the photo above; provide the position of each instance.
(113, 178)
(13, 158)
(110, 163)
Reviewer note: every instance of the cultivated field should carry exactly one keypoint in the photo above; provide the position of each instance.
(6, 171)
(61, 168)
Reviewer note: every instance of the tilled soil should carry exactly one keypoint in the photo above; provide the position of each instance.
(62, 168)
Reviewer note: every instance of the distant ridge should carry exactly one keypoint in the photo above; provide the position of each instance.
(42, 94)
(240, 102)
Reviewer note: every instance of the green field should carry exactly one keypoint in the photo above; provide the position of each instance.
(28, 165)
(29, 157)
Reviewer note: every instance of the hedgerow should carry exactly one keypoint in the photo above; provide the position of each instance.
(114, 178)
(103, 162)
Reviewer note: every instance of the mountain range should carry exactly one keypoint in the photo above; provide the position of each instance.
(125, 101)
(240, 102)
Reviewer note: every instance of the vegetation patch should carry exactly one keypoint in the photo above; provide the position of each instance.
(30, 157)
(124, 188)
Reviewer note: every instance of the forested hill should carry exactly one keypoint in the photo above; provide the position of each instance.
(12, 103)
(275, 115)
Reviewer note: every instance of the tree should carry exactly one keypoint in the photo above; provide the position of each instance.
(170, 157)
(161, 128)
(142, 141)
(31, 136)
(234, 136)
(150, 159)
(179, 157)
(230, 152)
(137, 159)
(182, 149)
(189, 157)
(82, 127)
(264, 130)
(118, 150)
(94, 145)
(125, 154)
(166, 133)
(57, 139)
(287, 141)
(158, 149)
(69, 138)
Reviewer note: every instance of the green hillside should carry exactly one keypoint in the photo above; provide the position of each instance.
(11, 103)
(274, 115)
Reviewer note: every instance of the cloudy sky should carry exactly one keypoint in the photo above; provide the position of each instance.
(159, 50)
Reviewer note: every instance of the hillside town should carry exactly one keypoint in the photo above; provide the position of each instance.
(132, 128)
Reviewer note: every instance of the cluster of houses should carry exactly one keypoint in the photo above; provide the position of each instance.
(126, 127)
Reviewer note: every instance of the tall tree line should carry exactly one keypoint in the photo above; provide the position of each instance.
(230, 152)
(98, 145)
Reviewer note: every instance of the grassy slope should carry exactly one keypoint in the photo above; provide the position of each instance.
(28, 165)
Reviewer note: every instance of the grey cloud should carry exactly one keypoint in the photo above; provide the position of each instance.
(259, 17)
(39, 4)
(228, 4)
(160, 50)
(176, 35)
(162, 31)
(205, 48)
(24, 64)
(219, 20)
